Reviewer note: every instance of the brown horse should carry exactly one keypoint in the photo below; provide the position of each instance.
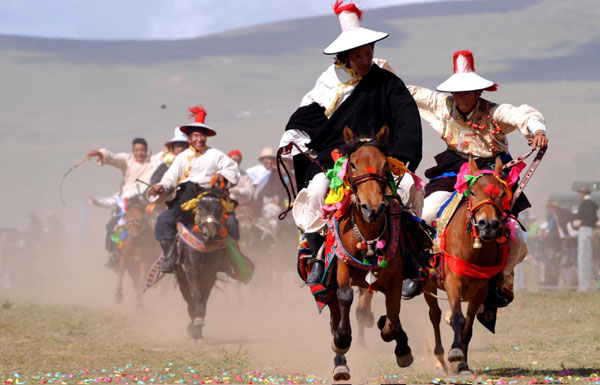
(367, 220)
(483, 214)
(137, 252)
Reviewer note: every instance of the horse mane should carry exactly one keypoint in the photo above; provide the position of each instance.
(349, 148)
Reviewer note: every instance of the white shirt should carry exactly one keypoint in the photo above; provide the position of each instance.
(191, 166)
(131, 169)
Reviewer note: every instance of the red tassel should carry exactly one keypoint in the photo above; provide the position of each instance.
(339, 8)
(198, 113)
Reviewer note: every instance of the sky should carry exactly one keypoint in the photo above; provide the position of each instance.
(155, 19)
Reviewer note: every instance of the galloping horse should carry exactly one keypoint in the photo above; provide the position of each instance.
(368, 220)
(197, 271)
(137, 252)
(467, 264)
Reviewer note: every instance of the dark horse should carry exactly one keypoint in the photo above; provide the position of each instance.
(197, 271)
(137, 251)
(482, 214)
(367, 220)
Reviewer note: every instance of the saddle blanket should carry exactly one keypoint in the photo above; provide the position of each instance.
(445, 215)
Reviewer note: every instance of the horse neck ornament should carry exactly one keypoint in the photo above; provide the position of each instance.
(489, 200)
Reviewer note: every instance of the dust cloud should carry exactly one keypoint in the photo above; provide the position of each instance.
(274, 318)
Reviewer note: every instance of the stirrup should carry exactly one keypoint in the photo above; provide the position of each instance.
(411, 288)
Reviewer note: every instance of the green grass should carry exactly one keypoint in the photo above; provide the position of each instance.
(551, 337)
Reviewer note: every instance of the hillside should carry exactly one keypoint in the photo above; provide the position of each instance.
(64, 97)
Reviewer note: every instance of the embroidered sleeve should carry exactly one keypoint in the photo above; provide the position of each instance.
(118, 160)
(432, 106)
(520, 118)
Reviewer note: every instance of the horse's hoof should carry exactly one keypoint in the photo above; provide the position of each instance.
(455, 355)
(337, 350)
(119, 300)
(466, 373)
(198, 322)
(195, 332)
(405, 361)
(341, 373)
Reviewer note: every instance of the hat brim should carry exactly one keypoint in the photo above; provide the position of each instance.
(465, 81)
(175, 141)
(189, 128)
(354, 38)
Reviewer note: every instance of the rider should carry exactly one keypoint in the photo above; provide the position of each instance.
(134, 165)
(471, 125)
(244, 190)
(195, 166)
(356, 92)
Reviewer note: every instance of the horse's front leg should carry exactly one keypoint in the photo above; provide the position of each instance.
(463, 367)
(435, 316)
(364, 314)
(192, 275)
(342, 333)
(390, 326)
(120, 275)
(457, 319)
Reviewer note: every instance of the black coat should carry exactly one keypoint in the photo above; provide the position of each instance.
(379, 98)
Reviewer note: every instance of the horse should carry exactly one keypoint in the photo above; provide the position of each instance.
(137, 251)
(367, 222)
(467, 264)
(196, 271)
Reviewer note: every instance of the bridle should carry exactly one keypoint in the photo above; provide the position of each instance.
(471, 223)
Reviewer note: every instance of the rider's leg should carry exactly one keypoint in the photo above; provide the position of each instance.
(233, 226)
(517, 251)
(111, 247)
(432, 205)
(415, 280)
(308, 215)
(165, 232)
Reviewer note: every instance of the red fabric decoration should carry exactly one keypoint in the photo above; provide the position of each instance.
(198, 113)
(463, 66)
(492, 190)
(234, 152)
(339, 8)
(467, 269)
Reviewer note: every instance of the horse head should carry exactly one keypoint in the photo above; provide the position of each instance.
(135, 219)
(367, 172)
(487, 195)
(209, 217)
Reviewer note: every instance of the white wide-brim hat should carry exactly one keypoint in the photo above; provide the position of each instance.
(267, 152)
(465, 78)
(353, 39)
(199, 114)
(353, 35)
(178, 137)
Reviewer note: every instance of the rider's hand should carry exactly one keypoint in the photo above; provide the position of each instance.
(219, 179)
(157, 190)
(287, 149)
(93, 153)
(539, 140)
(93, 200)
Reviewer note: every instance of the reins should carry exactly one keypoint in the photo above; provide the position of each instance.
(281, 164)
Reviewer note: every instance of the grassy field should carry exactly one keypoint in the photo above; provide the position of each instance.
(541, 338)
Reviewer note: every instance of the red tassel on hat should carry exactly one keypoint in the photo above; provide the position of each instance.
(339, 8)
(198, 113)
(466, 64)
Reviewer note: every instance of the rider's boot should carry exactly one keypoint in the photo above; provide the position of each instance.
(414, 277)
(112, 262)
(168, 247)
(315, 241)
(495, 297)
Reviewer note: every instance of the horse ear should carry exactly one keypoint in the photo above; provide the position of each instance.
(472, 165)
(348, 135)
(499, 165)
(383, 133)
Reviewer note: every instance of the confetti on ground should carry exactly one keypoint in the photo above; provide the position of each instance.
(172, 374)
